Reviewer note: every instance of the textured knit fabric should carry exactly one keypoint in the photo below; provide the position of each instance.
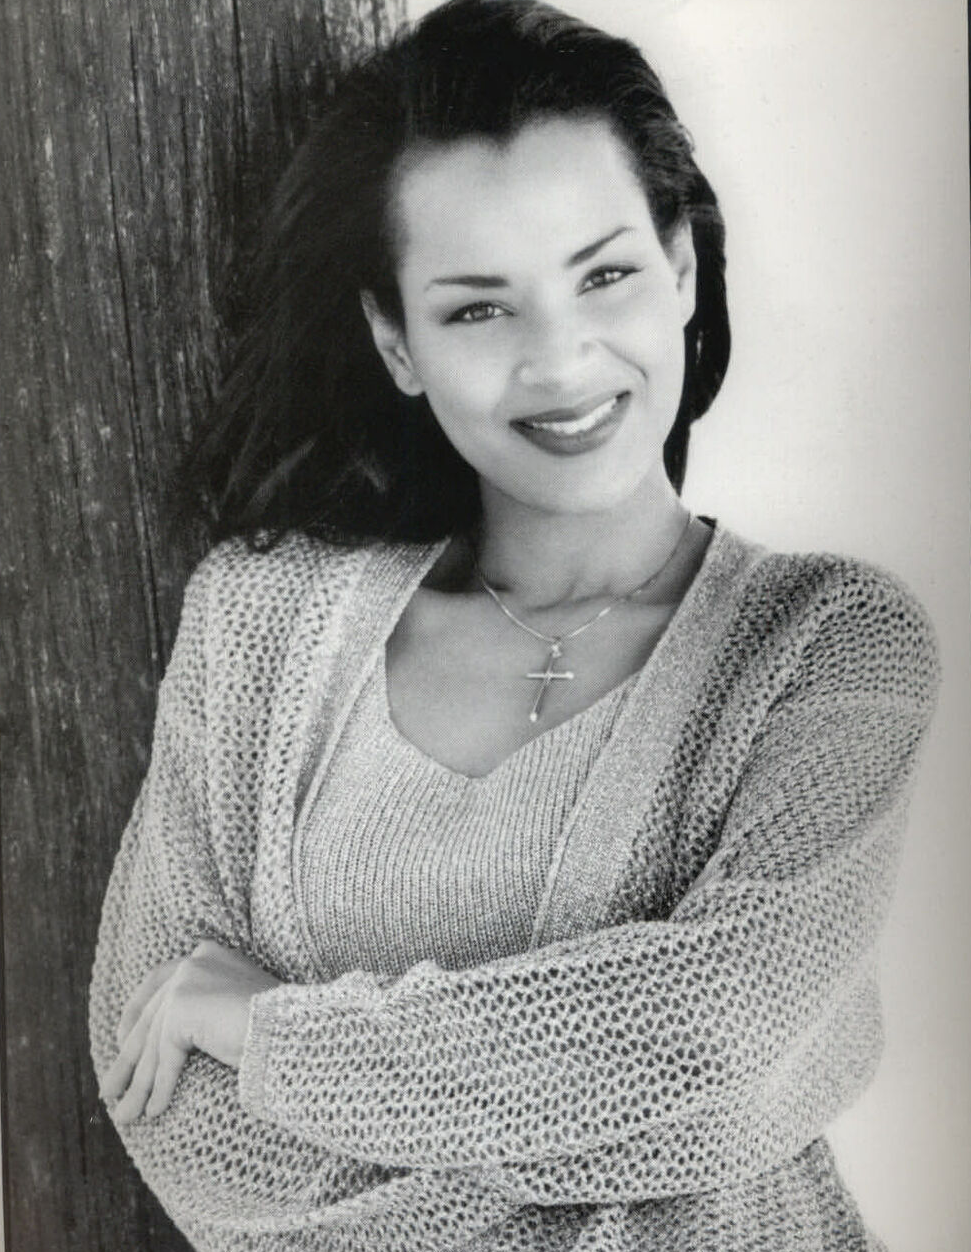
(697, 999)
(404, 860)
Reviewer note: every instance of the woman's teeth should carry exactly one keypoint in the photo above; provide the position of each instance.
(577, 425)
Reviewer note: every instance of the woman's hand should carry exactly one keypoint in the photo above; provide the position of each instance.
(200, 1001)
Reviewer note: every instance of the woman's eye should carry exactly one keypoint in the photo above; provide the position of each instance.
(483, 311)
(606, 276)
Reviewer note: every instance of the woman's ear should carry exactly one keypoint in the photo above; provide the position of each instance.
(389, 339)
(680, 250)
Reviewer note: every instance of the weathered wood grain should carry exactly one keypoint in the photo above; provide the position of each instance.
(134, 140)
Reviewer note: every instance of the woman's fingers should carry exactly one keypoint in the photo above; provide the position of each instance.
(148, 1065)
(199, 1001)
(118, 1077)
(169, 1061)
(143, 993)
(142, 1081)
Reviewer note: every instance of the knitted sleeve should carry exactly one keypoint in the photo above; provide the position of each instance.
(229, 1180)
(652, 1058)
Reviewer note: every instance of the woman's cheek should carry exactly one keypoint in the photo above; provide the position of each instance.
(460, 360)
(479, 375)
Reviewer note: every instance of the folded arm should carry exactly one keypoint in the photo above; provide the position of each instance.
(652, 1057)
(229, 1179)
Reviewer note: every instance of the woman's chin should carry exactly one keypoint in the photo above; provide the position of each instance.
(566, 490)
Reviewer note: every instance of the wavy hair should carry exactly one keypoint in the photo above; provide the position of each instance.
(309, 432)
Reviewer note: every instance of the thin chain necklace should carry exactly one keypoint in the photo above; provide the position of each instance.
(548, 676)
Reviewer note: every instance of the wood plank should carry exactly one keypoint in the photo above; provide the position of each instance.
(134, 141)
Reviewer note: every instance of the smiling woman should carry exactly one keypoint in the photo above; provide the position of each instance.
(509, 867)
(532, 275)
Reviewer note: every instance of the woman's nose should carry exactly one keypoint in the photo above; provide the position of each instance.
(554, 350)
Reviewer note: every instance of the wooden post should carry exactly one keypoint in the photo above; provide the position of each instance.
(134, 138)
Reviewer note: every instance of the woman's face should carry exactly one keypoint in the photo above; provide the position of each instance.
(543, 319)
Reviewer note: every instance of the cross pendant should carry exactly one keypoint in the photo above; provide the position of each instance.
(546, 677)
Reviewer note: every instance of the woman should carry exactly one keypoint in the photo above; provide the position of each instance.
(515, 843)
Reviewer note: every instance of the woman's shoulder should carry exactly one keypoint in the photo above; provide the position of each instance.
(850, 608)
(242, 600)
(825, 583)
(253, 578)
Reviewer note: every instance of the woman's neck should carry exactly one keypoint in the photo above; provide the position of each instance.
(542, 560)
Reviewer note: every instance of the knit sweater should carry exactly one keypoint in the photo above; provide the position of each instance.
(698, 997)
(402, 859)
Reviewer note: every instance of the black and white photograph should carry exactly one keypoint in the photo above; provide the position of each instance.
(484, 626)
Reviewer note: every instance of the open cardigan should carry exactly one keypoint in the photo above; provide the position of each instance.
(698, 999)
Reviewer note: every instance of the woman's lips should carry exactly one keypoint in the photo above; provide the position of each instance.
(574, 430)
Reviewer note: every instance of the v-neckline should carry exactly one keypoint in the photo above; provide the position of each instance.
(628, 685)
(387, 582)
(512, 759)
(351, 609)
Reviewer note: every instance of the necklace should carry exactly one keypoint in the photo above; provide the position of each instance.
(548, 676)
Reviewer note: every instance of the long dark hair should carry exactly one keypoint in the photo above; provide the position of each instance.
(309, 432)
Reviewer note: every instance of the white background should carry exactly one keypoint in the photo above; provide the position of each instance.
(835, 133)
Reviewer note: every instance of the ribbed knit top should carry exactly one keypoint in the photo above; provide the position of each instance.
(402, 859)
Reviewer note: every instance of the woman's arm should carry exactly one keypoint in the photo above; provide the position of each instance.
(652, 1058)
(229, 1179)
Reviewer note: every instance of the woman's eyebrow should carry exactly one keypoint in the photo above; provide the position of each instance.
(496, 280)
(468, 280)
(592, 249)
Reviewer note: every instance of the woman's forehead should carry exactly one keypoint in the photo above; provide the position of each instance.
(558, 184)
